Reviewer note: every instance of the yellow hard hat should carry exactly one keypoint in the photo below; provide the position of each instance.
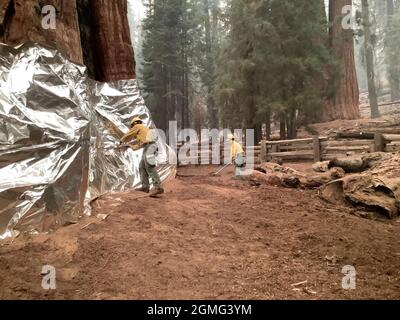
(136, 120)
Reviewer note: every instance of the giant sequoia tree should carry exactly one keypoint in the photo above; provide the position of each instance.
(114, 56)
(103, 25)
(345, 101)
(21, 21)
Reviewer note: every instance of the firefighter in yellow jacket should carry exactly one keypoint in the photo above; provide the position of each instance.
(140, 135)
(238, 155)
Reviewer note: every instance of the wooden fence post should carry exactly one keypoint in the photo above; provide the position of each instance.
(263, 151)
(317, 149)
(379, 142)
(274, 149)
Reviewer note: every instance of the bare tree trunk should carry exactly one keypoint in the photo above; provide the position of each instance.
(21, 21)
(268, 124)
(114, 56)
(209, 38)
(345, 104)
(393, 67)
(291, 124)
(369, 56)
(282, 124)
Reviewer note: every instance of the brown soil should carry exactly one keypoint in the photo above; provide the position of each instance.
(212, 238)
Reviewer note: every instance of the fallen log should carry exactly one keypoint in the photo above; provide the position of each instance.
(355, 135)
(293, 155)
(319, 180)
(348, 148)
(282, 142)
(270, 167)
(347, 143)
(321, 166)
(331, 156)
(391, 137)
(358, 164)
(276, 175)
(366, 190)
(387, 130)
(378, 187)
(349, 165)
(393, 147)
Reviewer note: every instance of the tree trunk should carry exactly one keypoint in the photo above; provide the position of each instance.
(369, 57)
(108, 52)
(87, 37)
(21, 21)
(291, 124)
(345, 103)
(268, 125)
(257, 134)
(282, 127)
(209, 30)
(392, 56)
(114, 56)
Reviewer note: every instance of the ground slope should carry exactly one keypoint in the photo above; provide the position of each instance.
(209, 238)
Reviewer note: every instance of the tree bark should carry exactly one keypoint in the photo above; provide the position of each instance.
(21, 21)
(369, 57)
(291, 124)
(209, 25)
(268, 125)
(108, 51)
(114, 55)
(393, 67)
(345, 103)
(282, 127)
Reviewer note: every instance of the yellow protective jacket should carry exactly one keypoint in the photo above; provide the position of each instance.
(236, 148)
(141, 134)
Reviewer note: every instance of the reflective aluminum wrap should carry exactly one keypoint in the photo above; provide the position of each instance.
(114, 169)
(58, 133)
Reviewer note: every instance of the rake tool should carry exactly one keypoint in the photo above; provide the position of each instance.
(222, 169)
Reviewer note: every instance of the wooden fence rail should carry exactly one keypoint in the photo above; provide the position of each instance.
(311, 149)
(322, 148)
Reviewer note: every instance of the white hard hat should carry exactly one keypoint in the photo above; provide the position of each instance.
(231, 136)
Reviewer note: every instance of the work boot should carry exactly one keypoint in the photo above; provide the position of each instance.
(144, 189)
(157, 192)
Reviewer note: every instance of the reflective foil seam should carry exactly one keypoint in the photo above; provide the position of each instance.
(58, 133)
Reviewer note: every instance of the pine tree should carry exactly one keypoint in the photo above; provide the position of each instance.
(206, 44)
(166, 52)
(273, 64)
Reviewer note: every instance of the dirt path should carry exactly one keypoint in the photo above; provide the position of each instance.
(211, 238)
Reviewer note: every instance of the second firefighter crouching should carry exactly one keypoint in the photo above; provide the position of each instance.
(238, 155)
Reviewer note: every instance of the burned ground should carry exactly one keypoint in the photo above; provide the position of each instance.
(209, 238)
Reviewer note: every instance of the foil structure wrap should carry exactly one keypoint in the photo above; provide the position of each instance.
(59, 135)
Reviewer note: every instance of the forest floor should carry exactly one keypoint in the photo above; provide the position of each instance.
(209, 238)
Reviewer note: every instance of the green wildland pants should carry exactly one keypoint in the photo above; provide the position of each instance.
(149, 170)
(240, 163)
